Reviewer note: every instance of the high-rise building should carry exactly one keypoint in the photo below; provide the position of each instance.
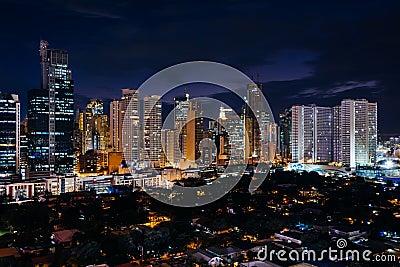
(38, 130)
(94, 134)
(269, 141)
(181, 107)
(311, 134)
(127, 108)
(115, 125)
(285, 123)
(336, 131)
(130, 125)
(23, 161)
(258, 119)
(234, 127)
(171, 152)
(101, 135)
(51, 132)
(94, 128)
(221, 139)
(194, 130)
(9, 135)
(358, 132)
(152, 124)
(254, 115)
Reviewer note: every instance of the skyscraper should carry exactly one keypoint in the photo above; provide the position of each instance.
(311, 134)
(181, 107)
(253, 118)
(93, 125)
(130, 127)
(171, 153)
(9, 135)
(194, 130)
(358, 132)
(115, 125)
(38, 130)
(152, 124)
(260, 127)
(269, 141)
(51, 131)
(234, 126)
(285, 123)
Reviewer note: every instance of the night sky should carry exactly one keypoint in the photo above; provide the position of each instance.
(304, 51)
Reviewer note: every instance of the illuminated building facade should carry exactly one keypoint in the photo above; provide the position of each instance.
(152, 124)
(311, 134)
(51, 129)
(130, 125)
(181, 107)
(358, 132)
(235, 135)
(94, 128)
(285, 127)
(171, 152)
(253, 117)
(9, 135)
(115, 125)
(194, 130)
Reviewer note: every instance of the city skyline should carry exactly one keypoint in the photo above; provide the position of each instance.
(194, 134)
(58, 143)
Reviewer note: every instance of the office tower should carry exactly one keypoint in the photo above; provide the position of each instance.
(311, 134)
(194, 130)
(256, 113)
(233, 125)
(117, 114)
(94, 128)
(285, 123)
(85, 127)
(9, 135)
(51, 130)
(171, 152)
(221, 139)
(208, 152)
(94, 133)
(358, 132)
(115, 125)
(130, 128)
(38, 130)
(181, 107)
(101, 135)
(152, 124)
(269, 141)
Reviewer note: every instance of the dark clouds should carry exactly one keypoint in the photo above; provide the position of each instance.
(305, 51)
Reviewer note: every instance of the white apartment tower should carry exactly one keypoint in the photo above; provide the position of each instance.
(311, 134)
(358, 132)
